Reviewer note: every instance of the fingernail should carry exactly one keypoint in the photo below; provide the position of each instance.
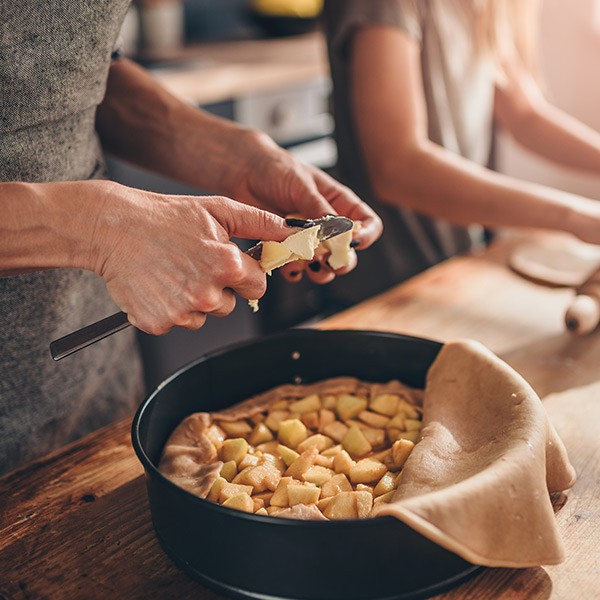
(354, 244)
(291, 222)
(315, 266)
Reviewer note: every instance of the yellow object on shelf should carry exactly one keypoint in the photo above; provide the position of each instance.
(304, 9)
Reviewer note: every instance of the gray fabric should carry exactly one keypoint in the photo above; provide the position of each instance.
(459, 94)
(54, 61)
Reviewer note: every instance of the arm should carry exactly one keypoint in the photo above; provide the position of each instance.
(142, 122)
(407, 169)
(521, 109)
(166, 260)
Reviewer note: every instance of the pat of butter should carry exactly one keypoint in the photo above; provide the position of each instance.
(303, 243)
(341, 252)
(274, 255)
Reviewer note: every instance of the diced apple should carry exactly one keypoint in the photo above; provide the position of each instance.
(329, 401)
(342, 463)
(269, 447)
(262, 511)
(407, 409)
(275, 417)
(310, 419)
(324, 502)
(229, 470)
(332, 451)
(302, 463)
(359, 424)
(326, 417)
(280, 496)
(336, 430)
(342, 506)
(288, 455)
(260, 434)
(397, 422)
(302, 494)
(363, 487)
(235, 428)
(375, 437)
(292, 432)
(318, 475)
(240, 502)
(412, 424)
(385, 498)
(324, 461)
(261, 478)
(385, 404)
(318, 440)
(258, 418)
(338, 483)
(382, 455)
(274, 460)
(401, 451)
(250, 460)
(385, 484)
(264, 496)
(355, 443)
(367, 470)
(364, 503)
(258, 503)
(411, 436)
(215, 490)
(349, 406)
(216, 435)
(309, 404)
(279, 405)
(234, 449)
(373, 419)
(272, 511)
(229, 490)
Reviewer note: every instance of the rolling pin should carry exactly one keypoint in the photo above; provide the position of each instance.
(583, 314)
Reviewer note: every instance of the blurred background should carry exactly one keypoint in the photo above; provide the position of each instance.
(263, 64)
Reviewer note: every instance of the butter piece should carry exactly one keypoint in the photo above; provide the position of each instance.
(303, 243)
(341, 252)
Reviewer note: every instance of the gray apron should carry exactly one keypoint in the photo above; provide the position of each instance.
(54, 61)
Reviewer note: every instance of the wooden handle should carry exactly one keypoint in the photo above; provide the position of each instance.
(583, 315)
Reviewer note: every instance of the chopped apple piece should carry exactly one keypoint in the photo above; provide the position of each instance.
(302, 463)
(329, 401)
(332, 451)
(373, 419)
(385, 498)
(274, 255)
(385, 404)
(262, 511)
(292, 432)
(397, 422)
(367, 470)
(324, 502)
(215, 490)
(310, 419)
(268, 447)
(407, 409)
(302, 494)
(375, 437)
(264, 496)
(319, 441)
(257, 418)
(318, 475)
(234, 449)
(309, 404)
(216, 435)
(260, 434)
(336, 430)
(273, 510)
(359, 424)
(383, 455)
(412, 424)
(258, 503)
(229, 490)
(274, 460)
(400, 451)
(261, 478)
(363, 487)
(386, 484)
(229, 470)
(364, 503)
(411, 436)
(342, 506)
(338, 483)
(355, 443)
(288, 455)
(250, 460)
(275, 417)
(240, 502)
(235, 428)
(279, 405)
(326, 417)
(280, 497)
(324, 461)
(342, 463)
(349, 406)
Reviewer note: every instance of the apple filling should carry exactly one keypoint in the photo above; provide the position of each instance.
(320, 456)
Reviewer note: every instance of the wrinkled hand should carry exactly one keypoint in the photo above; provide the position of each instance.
(168, 260)
(276, 181)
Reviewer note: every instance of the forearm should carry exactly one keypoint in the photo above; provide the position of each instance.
(436, 182)
(143, 123)
(44, 226)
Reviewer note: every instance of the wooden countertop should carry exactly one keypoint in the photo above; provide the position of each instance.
(207, 73)
(76, 524)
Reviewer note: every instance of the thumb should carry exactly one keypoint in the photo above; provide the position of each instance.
(249, 222)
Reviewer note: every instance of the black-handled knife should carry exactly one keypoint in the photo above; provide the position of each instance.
(73, 342)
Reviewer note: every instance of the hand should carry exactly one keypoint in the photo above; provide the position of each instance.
(276, 181)
(168, 260)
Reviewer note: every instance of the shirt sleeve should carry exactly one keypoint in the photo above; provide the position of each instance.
(343, 17)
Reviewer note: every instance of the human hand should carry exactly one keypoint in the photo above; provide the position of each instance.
(276, 181)
(168, 260)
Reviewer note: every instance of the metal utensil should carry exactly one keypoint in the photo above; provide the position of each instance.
(90, 334)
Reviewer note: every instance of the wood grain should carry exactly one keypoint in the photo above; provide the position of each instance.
(76, 524)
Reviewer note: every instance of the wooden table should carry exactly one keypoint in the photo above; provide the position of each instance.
(76, 524)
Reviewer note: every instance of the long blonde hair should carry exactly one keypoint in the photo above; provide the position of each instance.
(505, 28)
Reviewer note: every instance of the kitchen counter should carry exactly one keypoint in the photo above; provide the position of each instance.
(76, 524)
(209, 73)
